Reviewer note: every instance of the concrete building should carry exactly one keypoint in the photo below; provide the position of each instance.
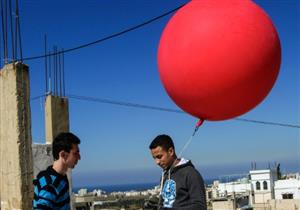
(263, 184)
(287, 188)
(237, 187)
(82, 192)
(261, 192)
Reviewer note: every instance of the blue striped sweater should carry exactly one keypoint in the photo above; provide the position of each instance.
(51, 191)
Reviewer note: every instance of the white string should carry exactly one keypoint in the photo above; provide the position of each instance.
(186, 145)
(41, 103)
(199, 123)
(161, 183)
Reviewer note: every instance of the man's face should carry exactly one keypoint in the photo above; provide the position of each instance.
(73, 156)
(163, 158)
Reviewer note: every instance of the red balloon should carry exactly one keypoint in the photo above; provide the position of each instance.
(218, 59)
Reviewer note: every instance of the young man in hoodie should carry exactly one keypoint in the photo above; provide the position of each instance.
(182, 186)
(51, 187)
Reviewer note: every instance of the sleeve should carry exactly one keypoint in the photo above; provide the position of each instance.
(196, 190)
(44, 199)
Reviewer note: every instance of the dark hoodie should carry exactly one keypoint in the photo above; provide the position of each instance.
(183, 188)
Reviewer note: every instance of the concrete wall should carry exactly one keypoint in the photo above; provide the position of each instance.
(292, 204)
(223, 205)
(56, 116)
(42, 157)
(16, 171)
(262, 197)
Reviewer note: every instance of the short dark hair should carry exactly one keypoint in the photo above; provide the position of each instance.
(63, 142)
(163, 141)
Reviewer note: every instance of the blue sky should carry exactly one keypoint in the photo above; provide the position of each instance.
(115, 138)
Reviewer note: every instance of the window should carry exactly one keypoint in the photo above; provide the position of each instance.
(288, 196)
(209, 194)
(257, 185)
(265, 185)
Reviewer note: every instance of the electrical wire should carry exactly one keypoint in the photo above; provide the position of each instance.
(121, 103)
(141, 106)
(268, 123)
(106, 38)
(37, 97)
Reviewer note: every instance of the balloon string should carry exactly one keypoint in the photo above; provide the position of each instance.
(199, 123)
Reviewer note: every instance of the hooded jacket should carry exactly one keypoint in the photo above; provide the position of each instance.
(183, 188)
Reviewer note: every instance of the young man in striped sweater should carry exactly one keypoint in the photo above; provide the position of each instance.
(51, 187)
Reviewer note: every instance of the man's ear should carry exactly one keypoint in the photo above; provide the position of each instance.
(171, 151)
(62, 154)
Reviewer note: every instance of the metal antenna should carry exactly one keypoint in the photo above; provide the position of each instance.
(63, 77)
(18, 30)
(54, 68)
(4, 28)
(12, 32)
(46, 66)
(60, 74)
(50, 74)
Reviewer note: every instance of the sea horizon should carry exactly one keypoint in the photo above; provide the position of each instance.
(109, 188)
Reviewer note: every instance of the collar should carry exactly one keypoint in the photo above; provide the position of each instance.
(52, 171)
